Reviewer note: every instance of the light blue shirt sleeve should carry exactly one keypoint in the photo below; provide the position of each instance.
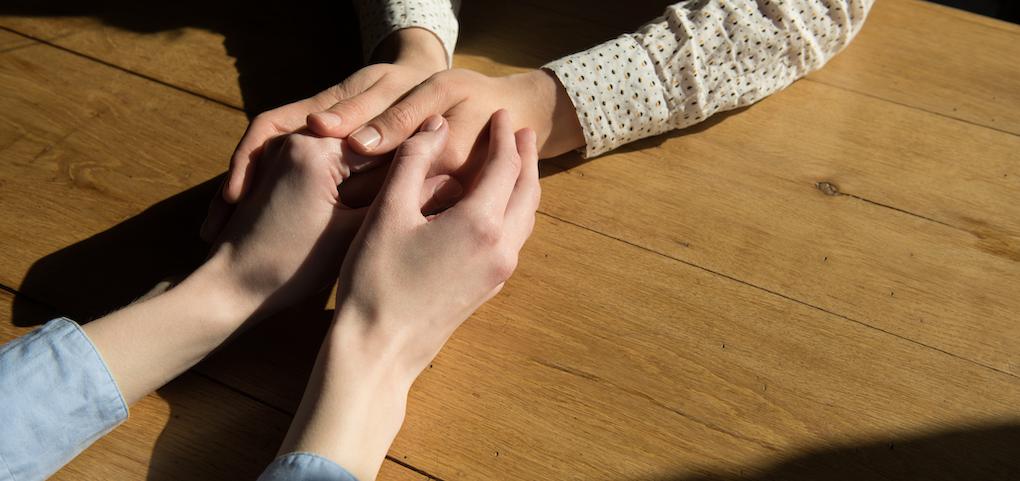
(56, 397)
(305, 467)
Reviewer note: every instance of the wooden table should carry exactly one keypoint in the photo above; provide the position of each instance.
(825, 285)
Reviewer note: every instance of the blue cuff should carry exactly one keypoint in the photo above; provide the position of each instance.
(56, 398)
(304, 467)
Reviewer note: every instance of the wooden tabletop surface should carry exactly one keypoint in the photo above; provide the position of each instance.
(825, 285)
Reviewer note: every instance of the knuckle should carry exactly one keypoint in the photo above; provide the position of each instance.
(299, 150)
(351, 108)
(402, 116)
(504, 263)
(486, 231)
(375, 71)
(442, 86)
(447, 83)
(335, 92)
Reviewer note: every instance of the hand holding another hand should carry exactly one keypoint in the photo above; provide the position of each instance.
(409, 280)
(407, 57)
(467, 99)
(286, 238)
(407, 283)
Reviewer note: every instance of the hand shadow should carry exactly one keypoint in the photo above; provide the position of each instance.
(988, 452)
(263, 370)
(284, 51)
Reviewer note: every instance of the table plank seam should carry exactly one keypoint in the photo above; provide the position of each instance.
(781, 295)
(232, 107)
(240, 108)
(226, 385)
(229, 387)
(416, 469)
(914, 107)
(122, 69)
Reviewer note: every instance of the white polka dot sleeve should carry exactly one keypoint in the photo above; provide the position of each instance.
(379, 18)
(699, 58)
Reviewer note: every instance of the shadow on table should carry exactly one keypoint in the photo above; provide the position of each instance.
(279, 51)
(113, 268)
(983, 453)
(284, 51)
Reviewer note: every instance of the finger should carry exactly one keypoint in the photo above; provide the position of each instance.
(360, 190)
(439, 193)
(348, 114)
(499, 174)
(524, 200)
(411, 163)
(358, 162)
(398, 122)
(216, 218)
(241, 162)
(262, 128)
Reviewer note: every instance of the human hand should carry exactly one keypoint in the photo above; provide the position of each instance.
(408, 57)
(287, 236)
(409, 280)
(467, 99)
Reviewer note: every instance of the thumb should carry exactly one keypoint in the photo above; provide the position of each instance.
(412, 161)
(386, 131)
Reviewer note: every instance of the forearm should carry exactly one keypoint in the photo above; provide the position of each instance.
(353, 405)
(148, 343)
(698, 59)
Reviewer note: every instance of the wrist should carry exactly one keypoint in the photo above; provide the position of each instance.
(353, 406)
(371, 348)
(551, 113)
(414, 47)
(215, 288)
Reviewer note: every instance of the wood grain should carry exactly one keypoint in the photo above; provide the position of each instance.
(784, 280)
(955, 174)
(912, 52)
(937, 59)
(602, 360)
(193, 428)
(802, 208)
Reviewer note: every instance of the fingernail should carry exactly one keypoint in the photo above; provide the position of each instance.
(367, 137)
(433, 123)
(329, 119)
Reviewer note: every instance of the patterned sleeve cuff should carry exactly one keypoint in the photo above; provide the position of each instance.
(304, 467)
(58, 397)
(379, 18)
(622, 71)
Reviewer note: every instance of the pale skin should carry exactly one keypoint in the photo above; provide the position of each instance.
(375, 117)
(292, 236)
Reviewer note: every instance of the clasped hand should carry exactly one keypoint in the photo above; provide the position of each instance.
(408, 275)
